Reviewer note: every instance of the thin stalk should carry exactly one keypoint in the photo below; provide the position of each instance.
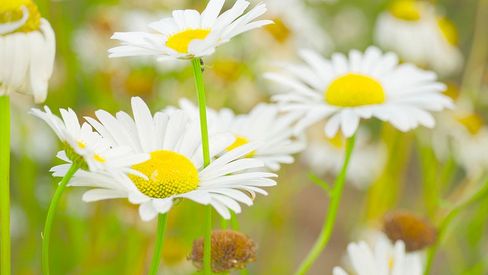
(50, 216)
(328, 227)
(202, 106)
(207, 243)
(158, 248)
(446, 222)
(5, 263)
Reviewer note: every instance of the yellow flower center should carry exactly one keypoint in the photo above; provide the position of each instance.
(472, 122)
(452, 91)
(169, 173)
(181, 40)
(81, 144)
(352, 90)
(408, 10)
(13, 11)
(448, 30)
(240, 140)
(279, 30)
(337, 141)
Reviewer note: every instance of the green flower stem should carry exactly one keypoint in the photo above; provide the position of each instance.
(234, 224)
(447, 220)
(5, 267)
(197, 70)
(207, 242)
(158, 248)
(335, 198)
(50, 216)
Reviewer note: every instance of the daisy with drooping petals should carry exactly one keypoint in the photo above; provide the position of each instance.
(346, 89)
(175, 169)
(264, 125)
(85, 147)
(189, 34)
(383, 259)
(27, 49)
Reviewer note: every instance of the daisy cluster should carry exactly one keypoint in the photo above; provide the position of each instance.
(155, 159)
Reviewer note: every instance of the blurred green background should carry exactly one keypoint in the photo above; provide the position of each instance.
(109, 237)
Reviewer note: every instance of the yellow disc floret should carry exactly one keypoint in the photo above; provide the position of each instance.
(337, 141)
(169, 173)
(181, 40)
(352, 90)
(408, 10)
(448, 30)
(472, 122)
(279, 30)
(13, 10)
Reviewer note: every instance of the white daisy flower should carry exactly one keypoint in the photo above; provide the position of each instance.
(383, 259)
(27, 50)
(460, 135)
(175, 169)
(295, 22)
(409, 22)
(86, 147)
(321, 156)
(189, 34)
(346, 89)
(264, 125)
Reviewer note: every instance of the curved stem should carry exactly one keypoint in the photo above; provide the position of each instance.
(197, 70)
(5, 185)
(50, 217)
(158, 248)
(446, 222)
(328, 226)
(433, 250)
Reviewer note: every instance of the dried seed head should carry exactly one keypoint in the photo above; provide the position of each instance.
(230, 250)
(416, 232)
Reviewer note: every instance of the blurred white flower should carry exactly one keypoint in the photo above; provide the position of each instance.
(366, 163)
(415, 31)
(381, 259)
(188, 34)
(460, 134)
(346, 89)
(175, 169)
(27, 50)
(293, 20)
(264, 125)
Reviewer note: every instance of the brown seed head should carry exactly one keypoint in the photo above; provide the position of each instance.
(414, 231)
(231, 250)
